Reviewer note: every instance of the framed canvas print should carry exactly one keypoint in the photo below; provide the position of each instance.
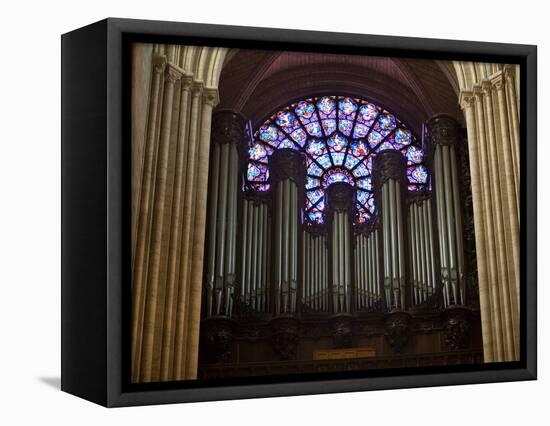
(254, 212)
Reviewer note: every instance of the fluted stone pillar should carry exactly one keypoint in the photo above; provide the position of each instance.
(389, 181)
(339, 200)
(443, 138)
(170, 146)
(492, 141)
(228, 134)
(170, 217)
(287, 170)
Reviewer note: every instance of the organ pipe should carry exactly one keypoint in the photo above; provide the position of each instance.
(387, 245)
(222, 218)
(394, 250)
(422, 249)
(414, 252)
(286, 244)
(315, 290)
(341, 261)
(366, 260)
(255, 260)
(443, 135)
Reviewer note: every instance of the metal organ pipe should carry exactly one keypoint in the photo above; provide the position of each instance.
(278, 244)
(423, 272)
(400, 242)
(222, 222)
(426, 248)
(305, 269)
(233, 189)
(376, 266)
(371, 263)
(416, 258)
(393, 243)
(442, 228)
(386, 236)
(458, 223)
(359, 262)
(449, 206)
(286, 246)
(211, 272)
(431, 243)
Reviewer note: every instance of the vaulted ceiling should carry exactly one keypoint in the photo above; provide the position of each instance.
(257, 83)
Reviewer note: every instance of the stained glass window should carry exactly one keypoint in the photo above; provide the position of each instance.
(339, 137)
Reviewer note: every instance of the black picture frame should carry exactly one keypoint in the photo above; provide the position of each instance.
(96, 199)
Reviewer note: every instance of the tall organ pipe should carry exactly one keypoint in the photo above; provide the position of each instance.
(284, 164)
(414, 254)
(431, 241)
(442, 227)
(458, 222)
(386, 236)
(222, 214)
(443, 134)
(211, 273)
(393, 242)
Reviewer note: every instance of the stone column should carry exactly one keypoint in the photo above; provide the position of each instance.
(151, 271)
(494, 191)
(176, 236)
(141, 250)
(169, 209)
(389, 171)
(210, 99)
(287, 170)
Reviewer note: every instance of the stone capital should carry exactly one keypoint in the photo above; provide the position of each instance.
(172, 74)
(487, 87)
(159, 64)
(186, 82)
(466, 99)
(497, 80)
(211, 96)
(509, 72)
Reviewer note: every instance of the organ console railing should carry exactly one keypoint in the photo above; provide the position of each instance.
(261, 252)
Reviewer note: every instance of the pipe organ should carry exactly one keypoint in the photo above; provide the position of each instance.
(366, 261)
(423, 278)
(255, 254)
(340, 201)
(389, 169)
(263, 257)
(222, 215)
(315, 293)
(442, 134)
(287, 172)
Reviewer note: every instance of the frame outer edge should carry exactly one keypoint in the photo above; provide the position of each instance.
(116, 395)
